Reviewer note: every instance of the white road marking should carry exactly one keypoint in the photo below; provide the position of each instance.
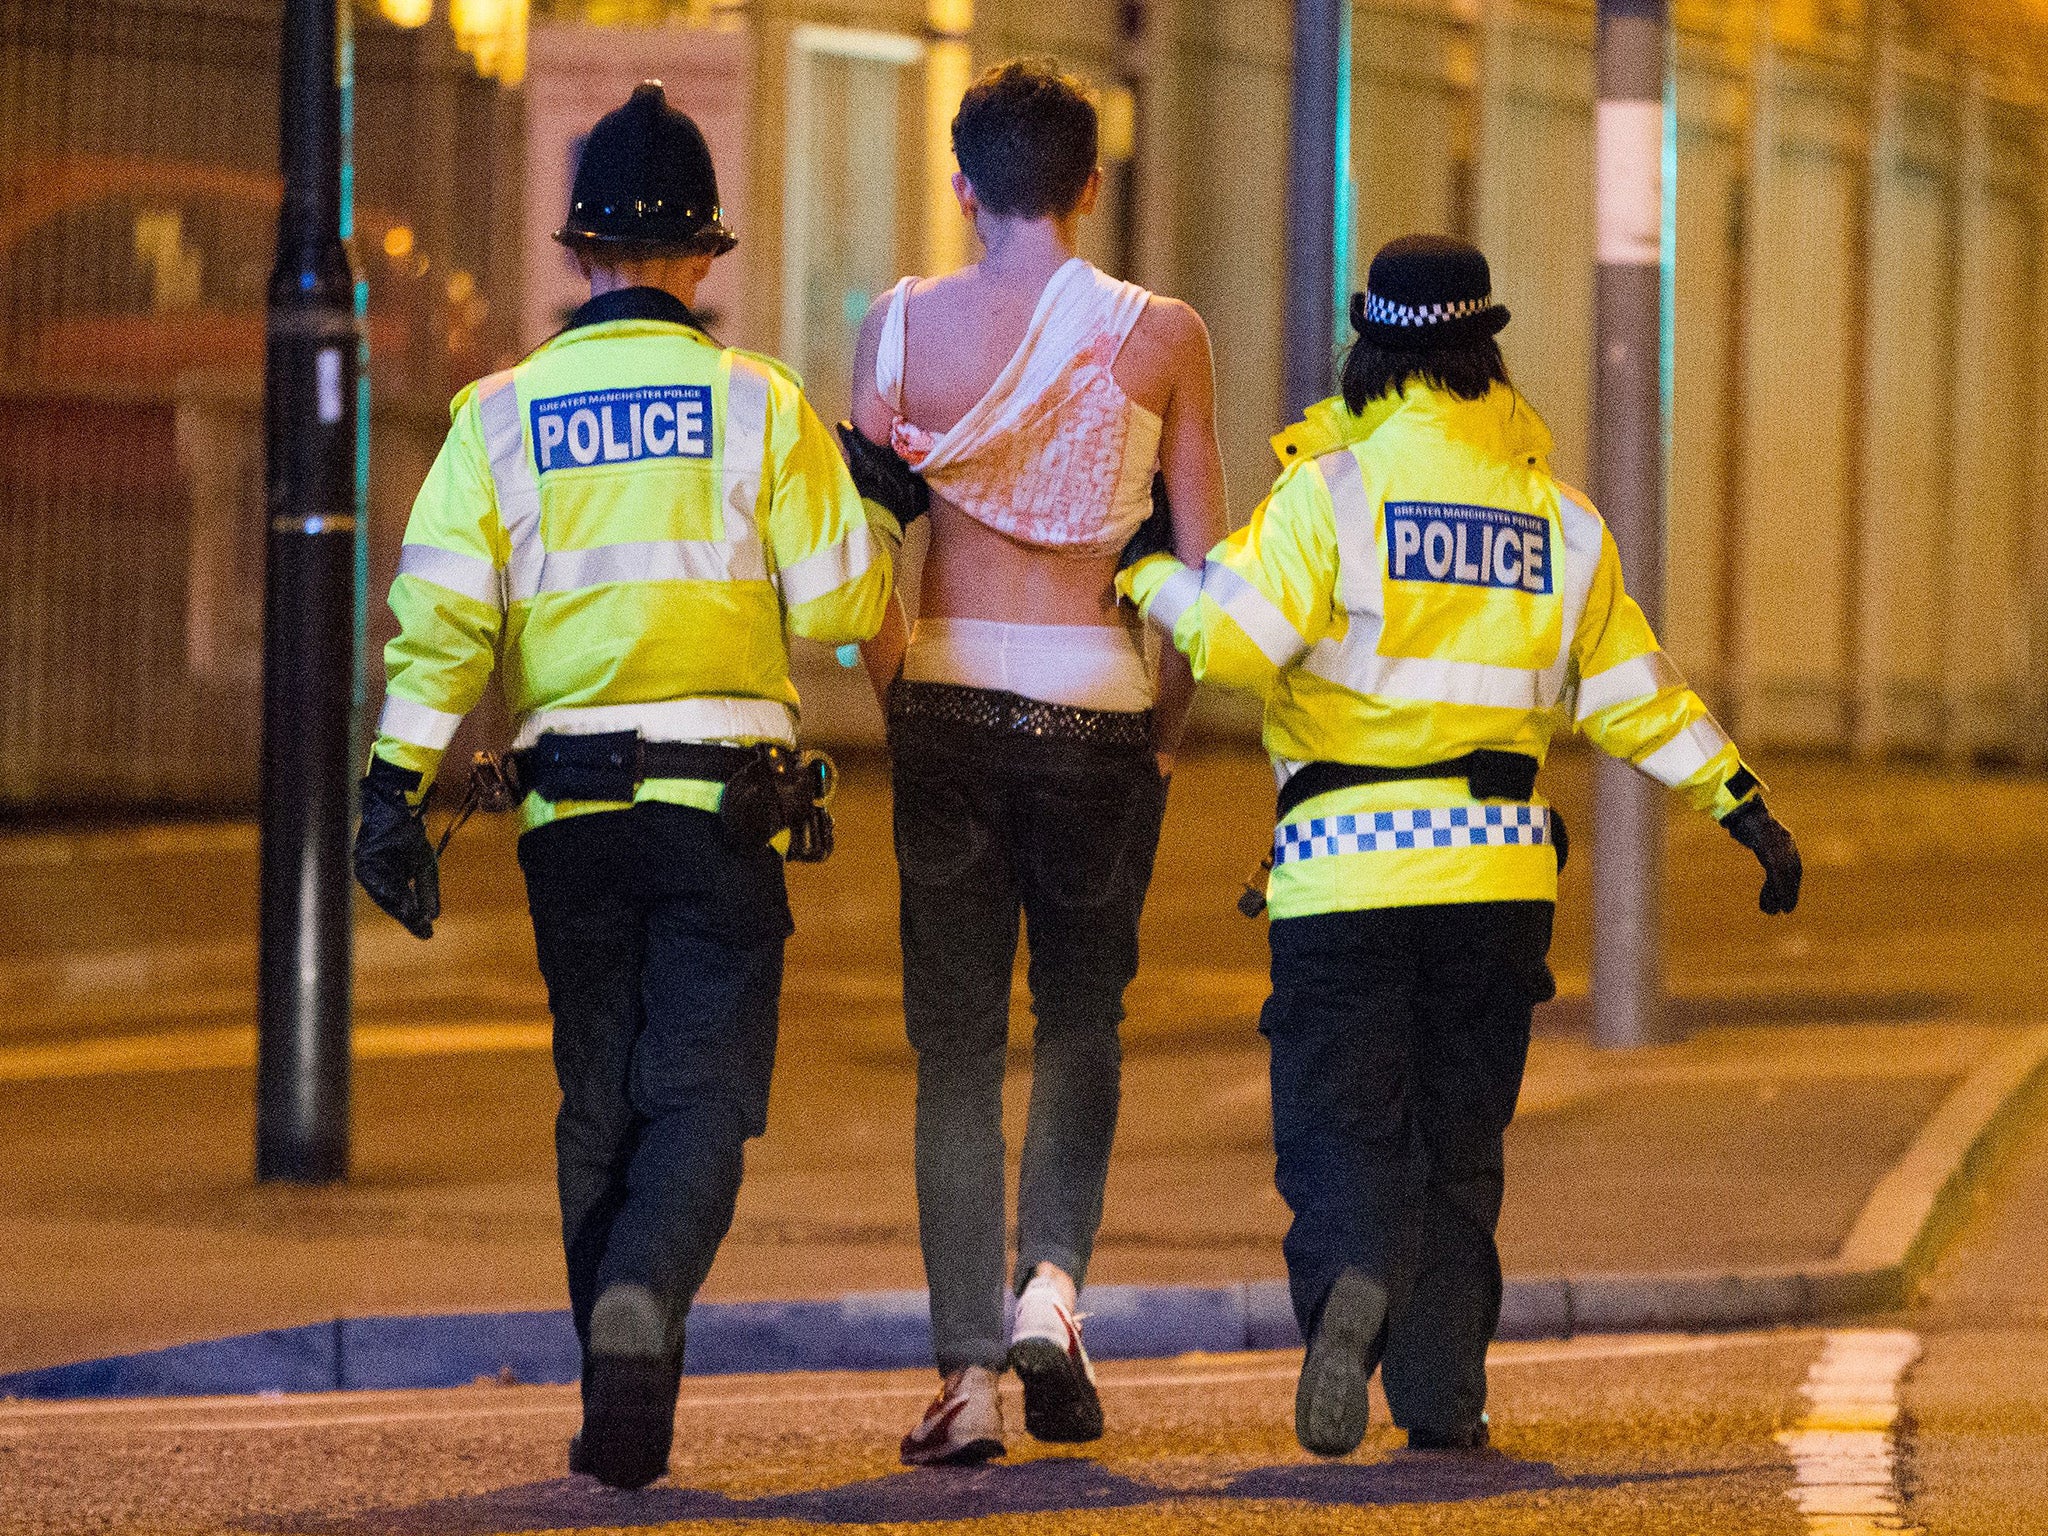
(321, 1410)
(1845, 1450)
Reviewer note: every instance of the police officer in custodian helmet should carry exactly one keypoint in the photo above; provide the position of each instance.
(633, 519)
(1423, 605)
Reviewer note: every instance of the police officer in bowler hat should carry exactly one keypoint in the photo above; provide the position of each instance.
(1423, 606)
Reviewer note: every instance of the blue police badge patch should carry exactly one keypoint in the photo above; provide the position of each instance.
(1468, 546)
(618, 426)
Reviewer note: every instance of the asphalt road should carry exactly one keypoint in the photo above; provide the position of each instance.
(1725, 1434)
(1649, 1435)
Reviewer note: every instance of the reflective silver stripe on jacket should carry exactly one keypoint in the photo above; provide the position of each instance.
(701, 719)
(1242, 603)
(746, 451)
(1429, 678)
(1359, 592)
(1583, 536)
(419, 725)
(1631, 682)
(825, 571)
(517, 485)
(470, 575)
(573, 570)
(1254, 613)
(1353, 660)
(1175, 596)
(535, 569)
(1686, 753)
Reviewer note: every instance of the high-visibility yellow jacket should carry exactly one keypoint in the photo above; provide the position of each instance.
(629, 523)
(1415, 587)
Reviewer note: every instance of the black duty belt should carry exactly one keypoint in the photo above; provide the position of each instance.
(1491, 775)
(768, 788)
(611, 765)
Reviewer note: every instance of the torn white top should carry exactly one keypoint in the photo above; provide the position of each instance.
(1055, 454)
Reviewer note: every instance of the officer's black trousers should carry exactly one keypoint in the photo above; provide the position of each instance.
(662, 950)
(1398, 1038)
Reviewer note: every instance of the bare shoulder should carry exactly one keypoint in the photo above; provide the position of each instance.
(1167, 350)
(1177, 324)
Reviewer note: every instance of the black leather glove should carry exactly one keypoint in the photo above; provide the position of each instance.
(1752, 825)
(394, 861)
(1155, 534)
(881, 476)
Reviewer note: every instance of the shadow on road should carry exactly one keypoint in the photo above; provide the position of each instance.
(1048, 1486)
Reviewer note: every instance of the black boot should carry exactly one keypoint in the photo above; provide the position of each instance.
(1469, 1437)
(1331, 1403)
(629, 1392)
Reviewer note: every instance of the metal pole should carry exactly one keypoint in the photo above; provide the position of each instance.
(1307, 356)
(1628, 482)
(305, 936)
(1134, 68)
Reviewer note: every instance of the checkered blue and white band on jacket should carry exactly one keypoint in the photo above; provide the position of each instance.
(1460, 826)
(1384, 311)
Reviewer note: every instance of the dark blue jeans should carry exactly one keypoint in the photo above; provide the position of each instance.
(990, 826)
(1399, 1037)
(661, 945)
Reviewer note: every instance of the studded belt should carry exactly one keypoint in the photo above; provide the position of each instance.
(1011, 714)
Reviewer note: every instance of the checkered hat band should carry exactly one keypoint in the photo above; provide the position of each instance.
(1384, 311)
(1462, 826)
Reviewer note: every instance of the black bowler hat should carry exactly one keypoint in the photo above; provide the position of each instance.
(645, 182)
(1427, 291)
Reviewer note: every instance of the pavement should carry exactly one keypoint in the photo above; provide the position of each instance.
(1817, 1050)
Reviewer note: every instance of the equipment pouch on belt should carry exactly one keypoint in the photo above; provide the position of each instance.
(1495, 775)
(751, 809)
(810, 822)
(779, 790)
(601, 767)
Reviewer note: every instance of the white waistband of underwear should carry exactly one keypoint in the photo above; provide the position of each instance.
(1085, 666)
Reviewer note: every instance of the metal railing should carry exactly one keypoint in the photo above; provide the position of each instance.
(138, 189)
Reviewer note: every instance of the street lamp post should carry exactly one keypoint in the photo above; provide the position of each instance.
(1317, 127)
(311, 364)
(1628, 450)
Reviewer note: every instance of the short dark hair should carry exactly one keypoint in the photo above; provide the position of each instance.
(1025, 138)
(1467, 370)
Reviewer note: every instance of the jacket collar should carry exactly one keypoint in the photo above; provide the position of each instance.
(1502, 424)
(634, 304)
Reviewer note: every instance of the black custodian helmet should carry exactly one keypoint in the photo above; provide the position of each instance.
(645, 183)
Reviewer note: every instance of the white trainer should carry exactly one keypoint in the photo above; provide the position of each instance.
(1060, 1401)
(963, 1427)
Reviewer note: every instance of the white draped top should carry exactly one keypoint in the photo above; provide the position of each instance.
(1055, 454)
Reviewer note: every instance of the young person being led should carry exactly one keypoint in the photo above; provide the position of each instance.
(1031, 727)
